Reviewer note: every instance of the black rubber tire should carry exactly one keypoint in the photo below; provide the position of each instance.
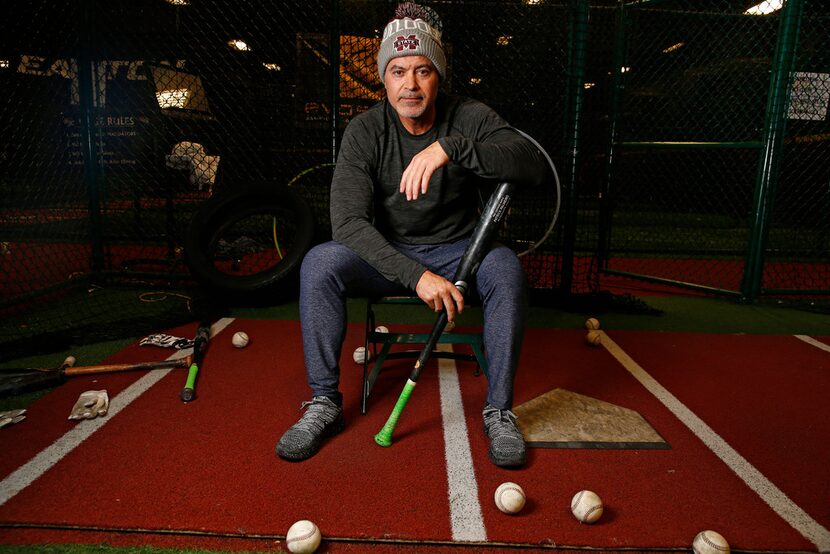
(219, 217)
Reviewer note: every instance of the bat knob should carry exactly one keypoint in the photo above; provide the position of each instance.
(187, 395)
(383, 439)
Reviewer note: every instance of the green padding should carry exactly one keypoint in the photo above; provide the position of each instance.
(384, 436)
(191, 376)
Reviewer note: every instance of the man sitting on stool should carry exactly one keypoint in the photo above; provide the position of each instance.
(404, 203)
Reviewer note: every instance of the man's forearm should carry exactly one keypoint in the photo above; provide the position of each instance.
(373, 247)
(516, 159)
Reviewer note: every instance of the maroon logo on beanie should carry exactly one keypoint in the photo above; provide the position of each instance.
(411, 42)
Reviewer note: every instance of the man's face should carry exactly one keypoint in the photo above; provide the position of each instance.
(412, 84)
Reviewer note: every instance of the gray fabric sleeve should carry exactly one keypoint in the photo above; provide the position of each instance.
(492, 149)
(351, 209)
(475, 138)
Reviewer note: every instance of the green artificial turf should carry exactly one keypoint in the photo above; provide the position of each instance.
(694, 314)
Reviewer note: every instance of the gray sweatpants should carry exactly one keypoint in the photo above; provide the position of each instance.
(331, 272)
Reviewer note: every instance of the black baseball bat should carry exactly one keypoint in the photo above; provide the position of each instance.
(200, 344)
(485, 232)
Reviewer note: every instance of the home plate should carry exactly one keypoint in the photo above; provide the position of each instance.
(564, 419)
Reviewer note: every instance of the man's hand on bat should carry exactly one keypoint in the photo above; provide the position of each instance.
(439, 294)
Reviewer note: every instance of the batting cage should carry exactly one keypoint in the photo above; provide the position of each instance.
(716, 178)
(160, 159)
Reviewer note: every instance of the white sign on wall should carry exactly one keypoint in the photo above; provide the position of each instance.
(809, 96)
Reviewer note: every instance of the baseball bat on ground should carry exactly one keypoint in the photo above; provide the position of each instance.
(17, 381)
(200, 343)
(485, 232)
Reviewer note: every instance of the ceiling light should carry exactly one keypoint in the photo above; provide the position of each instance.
(766, 7)
(238, 44)
(674, 47)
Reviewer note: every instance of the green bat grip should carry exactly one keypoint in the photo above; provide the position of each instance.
(384, 436)
(188, 393)
(200, 344)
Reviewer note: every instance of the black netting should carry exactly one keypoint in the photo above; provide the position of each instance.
(123, 119)
(798, 251)
(691, 173)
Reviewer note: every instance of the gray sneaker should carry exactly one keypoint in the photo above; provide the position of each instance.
(322, 418)
(507, 446)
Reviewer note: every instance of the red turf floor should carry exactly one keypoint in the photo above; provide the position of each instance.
(208, 467)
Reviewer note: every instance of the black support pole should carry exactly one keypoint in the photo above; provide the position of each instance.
(89, 149)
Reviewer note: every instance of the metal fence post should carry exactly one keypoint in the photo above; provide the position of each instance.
(617, 86)
(773, 142)
(574, 102)
(334, 57)
(89, 150)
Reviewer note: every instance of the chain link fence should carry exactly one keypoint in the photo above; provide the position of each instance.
(692, 106)
(798, 252)
(124, 119)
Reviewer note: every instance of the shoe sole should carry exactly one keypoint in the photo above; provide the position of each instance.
(504, 462)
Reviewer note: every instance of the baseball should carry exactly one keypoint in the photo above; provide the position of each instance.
(240, 339)
(593, 338)
(510, 498)
(303, 537)
(592, 324)
(710, 542)
(381, 329)
(359, 353)
(586, 506)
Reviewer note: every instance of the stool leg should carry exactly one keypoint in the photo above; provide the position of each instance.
(369, 326)
(478, 350)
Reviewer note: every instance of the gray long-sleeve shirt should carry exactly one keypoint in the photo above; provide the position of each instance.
(367, 209)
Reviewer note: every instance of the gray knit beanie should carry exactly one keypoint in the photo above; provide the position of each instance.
(415, 31)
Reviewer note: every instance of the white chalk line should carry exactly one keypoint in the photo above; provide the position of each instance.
(466, 519)
(813, 342)
(26, 474)
(788, 510)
